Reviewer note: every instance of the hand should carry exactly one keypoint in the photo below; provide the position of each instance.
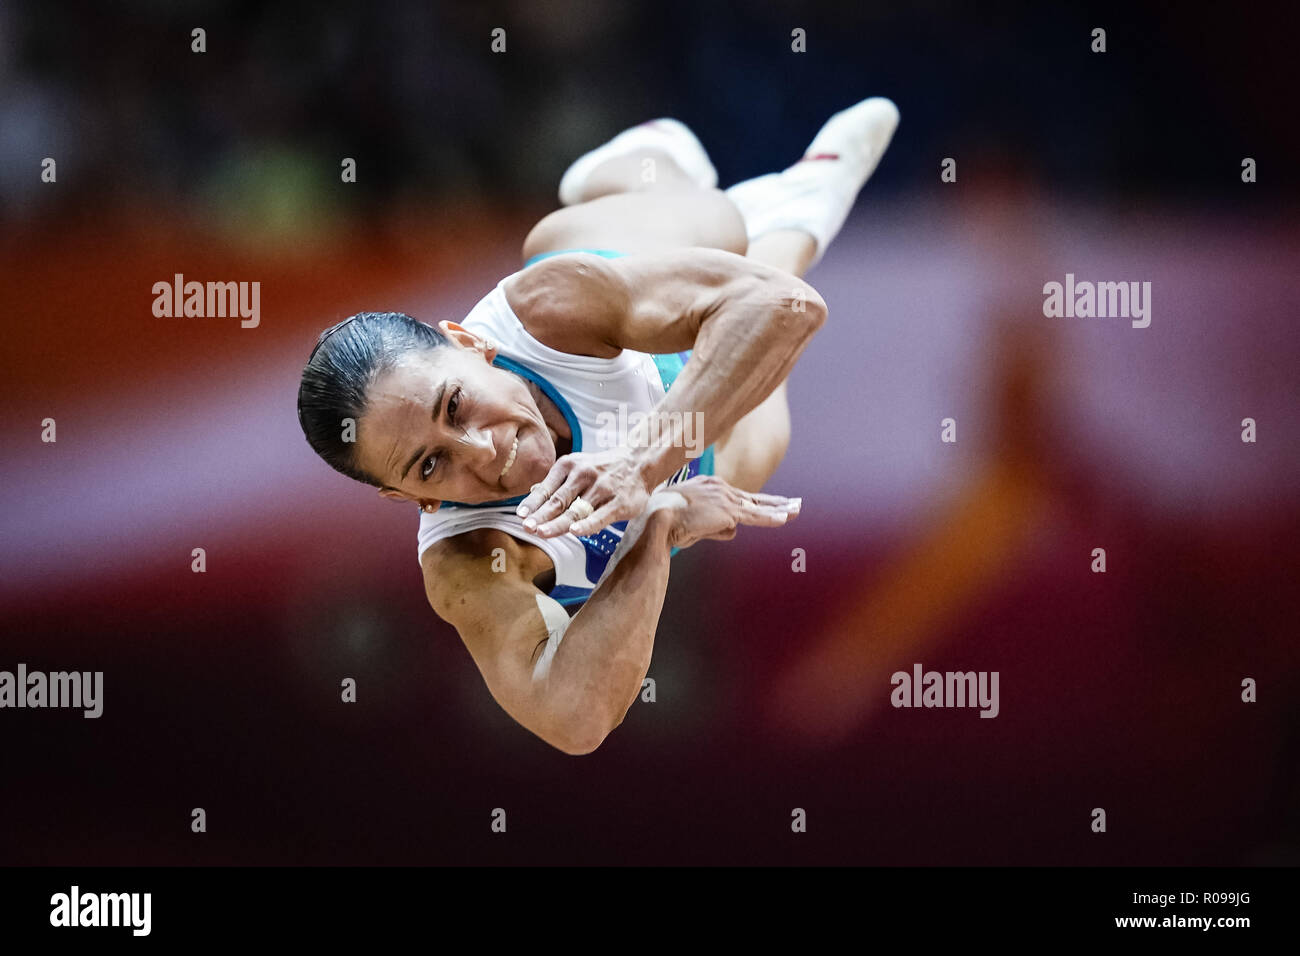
(708, 507)
(611, 481)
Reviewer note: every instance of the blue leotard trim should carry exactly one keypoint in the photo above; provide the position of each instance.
(606, 253)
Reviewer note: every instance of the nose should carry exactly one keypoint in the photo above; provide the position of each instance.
(479, 446)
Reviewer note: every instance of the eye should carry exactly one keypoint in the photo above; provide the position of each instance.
(453, 406)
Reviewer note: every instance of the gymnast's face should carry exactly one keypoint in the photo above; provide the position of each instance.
(448, 425)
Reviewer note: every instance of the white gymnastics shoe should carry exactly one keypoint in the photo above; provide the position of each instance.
(817, 192)
(670, 135)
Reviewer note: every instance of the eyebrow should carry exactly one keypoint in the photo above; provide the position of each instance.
(437, 411)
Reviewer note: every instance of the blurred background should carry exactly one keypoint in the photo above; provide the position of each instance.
(1119, 690)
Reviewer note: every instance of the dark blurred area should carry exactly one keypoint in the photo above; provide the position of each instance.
(414, 93)
(1119, 690)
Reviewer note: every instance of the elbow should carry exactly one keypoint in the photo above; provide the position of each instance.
(582, 735)
(811, 307)
(579, 743)
(798, 307)
(579, 747)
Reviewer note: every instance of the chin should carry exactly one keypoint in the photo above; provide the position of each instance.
(522, 483)
(540, 459)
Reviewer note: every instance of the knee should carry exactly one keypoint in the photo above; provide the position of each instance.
(726, 226)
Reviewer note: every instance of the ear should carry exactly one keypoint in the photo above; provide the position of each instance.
(392, 494)
(467, 339)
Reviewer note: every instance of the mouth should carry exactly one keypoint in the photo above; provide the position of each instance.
(510, 460)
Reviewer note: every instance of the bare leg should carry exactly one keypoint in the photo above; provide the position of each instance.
(643, 202)
(790, 250)
(748, 454)
(633, 206)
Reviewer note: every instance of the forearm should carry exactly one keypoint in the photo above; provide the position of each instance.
(598, 667)
(743, 351)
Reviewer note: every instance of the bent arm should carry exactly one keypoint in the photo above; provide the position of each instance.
(746, 322)
(570, 682)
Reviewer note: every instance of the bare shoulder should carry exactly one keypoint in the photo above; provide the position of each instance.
(570, 303)
(466, 573)
(482, 583)
(585, 304)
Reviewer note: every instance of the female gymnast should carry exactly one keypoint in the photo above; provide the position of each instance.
(651, 298)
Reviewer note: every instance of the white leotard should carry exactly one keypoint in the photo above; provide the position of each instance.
(583, 387)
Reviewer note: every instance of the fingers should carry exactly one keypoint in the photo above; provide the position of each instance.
(554, 507)
(544, 488)
(767, 515)
(792, 505)
(762, 517)
(566, 520)
(607, 514)
(555, 527)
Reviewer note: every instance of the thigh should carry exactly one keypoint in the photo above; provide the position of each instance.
(642, 222)
(753, 449)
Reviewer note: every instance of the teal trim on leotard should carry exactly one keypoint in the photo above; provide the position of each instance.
(706, 461)
(669, 366)
(605, 253)
(551, 392)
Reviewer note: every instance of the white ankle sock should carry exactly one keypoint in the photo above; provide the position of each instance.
(780, 201)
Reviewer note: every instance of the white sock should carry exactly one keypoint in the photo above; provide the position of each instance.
(816, 193)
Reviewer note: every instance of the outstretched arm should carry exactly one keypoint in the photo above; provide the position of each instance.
(568, 681)
(746, 322)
